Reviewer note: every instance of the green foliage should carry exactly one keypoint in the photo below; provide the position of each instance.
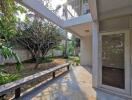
(7, 52)
(8, 23)
(73, 44)
(8, 19)
(6, 78)
(38, 38)
(46, 59)
(60, 47)
(70, 48)
(74, 60)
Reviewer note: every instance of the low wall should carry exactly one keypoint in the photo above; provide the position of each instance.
(22, 53)
(25, 55)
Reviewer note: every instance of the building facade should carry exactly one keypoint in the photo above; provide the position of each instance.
(105, 28)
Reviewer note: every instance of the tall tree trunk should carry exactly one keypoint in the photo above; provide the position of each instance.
(37, 59)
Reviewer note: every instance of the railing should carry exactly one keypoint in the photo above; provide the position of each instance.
(16, 85)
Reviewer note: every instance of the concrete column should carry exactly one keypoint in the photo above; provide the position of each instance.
(130, 26)
(96, 54)
(131, 59)
(86, 51)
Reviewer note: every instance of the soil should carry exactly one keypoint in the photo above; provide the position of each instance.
(28, 68)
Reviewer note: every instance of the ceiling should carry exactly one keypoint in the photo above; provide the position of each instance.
(80, 30)
(114, 7)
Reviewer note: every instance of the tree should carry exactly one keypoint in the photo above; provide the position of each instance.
(73, 46)
(39, 38)
(65, 15)
(8, 21)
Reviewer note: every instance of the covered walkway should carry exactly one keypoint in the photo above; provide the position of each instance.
(75, 85)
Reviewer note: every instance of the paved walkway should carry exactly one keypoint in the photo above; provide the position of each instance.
(75, 85)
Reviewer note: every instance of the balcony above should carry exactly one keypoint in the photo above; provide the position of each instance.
(79, 21)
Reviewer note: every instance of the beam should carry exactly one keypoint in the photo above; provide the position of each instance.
(78, 20)
(38, 7)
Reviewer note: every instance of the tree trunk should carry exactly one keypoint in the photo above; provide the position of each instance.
(37, 59)
(36, 65)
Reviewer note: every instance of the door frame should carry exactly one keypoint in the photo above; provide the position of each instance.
(127, 64)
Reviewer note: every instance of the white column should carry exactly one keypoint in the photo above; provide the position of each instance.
(96, 55)
(86, 51)
(131, 59)
(130, 25)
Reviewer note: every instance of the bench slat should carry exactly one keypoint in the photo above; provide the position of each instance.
(18, 83)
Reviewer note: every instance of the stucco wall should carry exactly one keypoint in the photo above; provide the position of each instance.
(86, 51)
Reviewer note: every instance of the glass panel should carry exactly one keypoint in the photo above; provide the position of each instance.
(113, 60)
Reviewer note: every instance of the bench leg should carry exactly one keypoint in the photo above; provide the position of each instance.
(17, 93)
(53, 74)
(68, 67)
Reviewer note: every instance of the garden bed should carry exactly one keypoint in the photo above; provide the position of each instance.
(28, 69)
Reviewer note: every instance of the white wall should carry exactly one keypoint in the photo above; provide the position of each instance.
(86, 51)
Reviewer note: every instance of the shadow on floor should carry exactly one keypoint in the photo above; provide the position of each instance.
(64, 87)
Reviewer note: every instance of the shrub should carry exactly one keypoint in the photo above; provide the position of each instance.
(6, 78)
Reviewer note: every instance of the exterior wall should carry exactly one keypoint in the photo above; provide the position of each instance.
(86, 51)
(23, 55)
(114, 24)
(55, 53)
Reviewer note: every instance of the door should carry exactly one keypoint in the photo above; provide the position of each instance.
(116, 61)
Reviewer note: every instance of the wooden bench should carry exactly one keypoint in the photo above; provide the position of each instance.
(16, 85)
